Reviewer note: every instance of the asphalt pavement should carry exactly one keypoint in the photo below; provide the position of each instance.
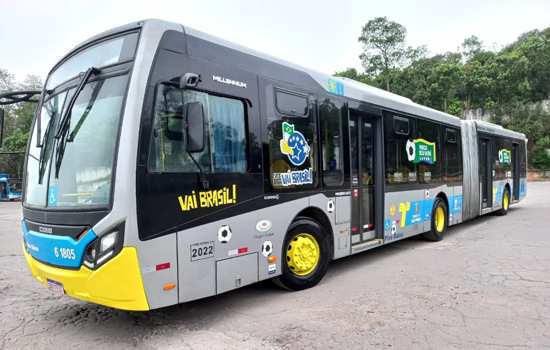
(485, 286)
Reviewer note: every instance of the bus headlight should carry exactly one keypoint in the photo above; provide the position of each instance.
(103, 248)
(107, 242)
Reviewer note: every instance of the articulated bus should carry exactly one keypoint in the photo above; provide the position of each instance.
(167, 165)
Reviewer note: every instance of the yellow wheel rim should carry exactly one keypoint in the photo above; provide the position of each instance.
(439, 219)
(303, 254)
(506, 201)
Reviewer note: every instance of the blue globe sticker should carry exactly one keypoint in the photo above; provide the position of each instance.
(294, 145)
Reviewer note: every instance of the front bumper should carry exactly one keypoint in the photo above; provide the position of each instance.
(117, 284)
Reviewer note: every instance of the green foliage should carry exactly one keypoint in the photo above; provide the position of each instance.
(541, 153)
(505, 84)
(384, 48)
(17, 124)
(352, 73)
(471, 46)
(16, 141)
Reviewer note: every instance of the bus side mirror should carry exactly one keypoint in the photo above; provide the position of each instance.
(194, 114)
(1, 126)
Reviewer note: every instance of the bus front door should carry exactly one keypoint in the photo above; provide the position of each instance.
(515, 171)
(362, 139)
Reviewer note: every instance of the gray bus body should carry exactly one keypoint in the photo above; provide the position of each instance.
(207, 240)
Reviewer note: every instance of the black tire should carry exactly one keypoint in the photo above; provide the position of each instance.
(434, 234)
(288, 279)
(504, 209)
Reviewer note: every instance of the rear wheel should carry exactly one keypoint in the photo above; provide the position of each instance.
(505, 202)
(439, 221)
(305, 257)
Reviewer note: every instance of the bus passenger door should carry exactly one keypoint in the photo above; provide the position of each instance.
(515, 171)
(362, 140)
(485, 173)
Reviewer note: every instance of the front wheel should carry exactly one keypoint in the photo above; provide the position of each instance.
(439, 221)
(305, 257)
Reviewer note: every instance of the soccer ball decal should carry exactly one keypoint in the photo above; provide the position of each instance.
(267, 248)
(411, 150)
(330, 206)
(393, 229)
(224, 234)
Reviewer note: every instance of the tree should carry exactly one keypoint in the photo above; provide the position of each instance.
(352, 73)
(471, 46)
(18, 117)
(6, 80)
(384, 48)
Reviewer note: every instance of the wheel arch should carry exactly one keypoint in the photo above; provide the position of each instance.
(320, 217)
(442, 195)
(507, 186)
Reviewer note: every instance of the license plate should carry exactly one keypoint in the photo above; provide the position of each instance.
(56, 287)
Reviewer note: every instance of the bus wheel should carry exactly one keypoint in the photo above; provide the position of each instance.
(505, 202)
(305, 257)
(439, 221)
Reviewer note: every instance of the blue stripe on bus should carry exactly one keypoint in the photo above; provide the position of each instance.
(63, 251)
(421, 211)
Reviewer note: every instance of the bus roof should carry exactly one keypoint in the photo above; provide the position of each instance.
(496, 129)
(338, 85)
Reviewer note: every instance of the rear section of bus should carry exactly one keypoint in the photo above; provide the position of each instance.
(495, 168)
(79, 220)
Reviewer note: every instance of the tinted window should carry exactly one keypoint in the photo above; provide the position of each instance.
(105, 53)
(427, 151)
(224, 132)
(331, 143)
(367, 153)
(401, 126)
(292, 146)
(398, 131)
(502, 158)
(453, 156)
(522, 160)
(353, 150)
(291, 103)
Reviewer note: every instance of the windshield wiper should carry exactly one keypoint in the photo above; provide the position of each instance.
(43, 96)
(66, 117)
(82, 119)
(42, 162)
(64, 124)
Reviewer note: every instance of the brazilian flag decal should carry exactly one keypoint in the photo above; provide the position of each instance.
(421, 151)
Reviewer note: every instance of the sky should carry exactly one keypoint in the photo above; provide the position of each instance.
(321, 34)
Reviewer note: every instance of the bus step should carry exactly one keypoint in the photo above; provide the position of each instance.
(366, 245)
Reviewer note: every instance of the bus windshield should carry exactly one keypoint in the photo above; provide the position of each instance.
(74, 168)
(85, 173)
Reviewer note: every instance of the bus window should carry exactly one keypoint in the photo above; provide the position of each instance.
(401, 126)
(522, 160)
(398, 132)
(353, 150)
(292, 135)
(503, 159)
(331, 143)
(291, 103)
(225, 148)
(429, 168)
(453, 158)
